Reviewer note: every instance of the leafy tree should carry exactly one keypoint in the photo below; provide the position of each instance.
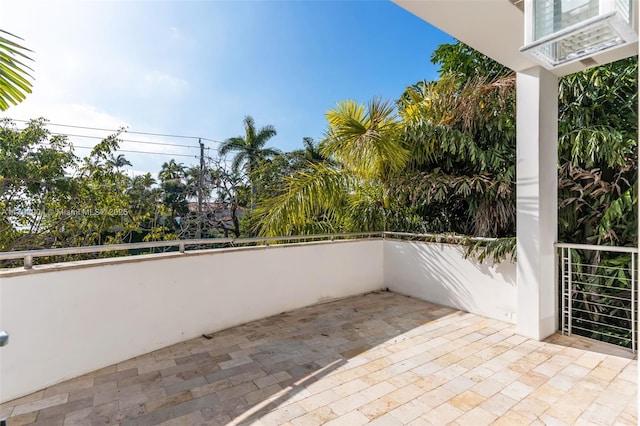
(171, 171)
(232, 194)
(598, 193)
(465, 62)
(51, 198)
(32, 179)
(14, 79)
(144, 209)
(365, 144)
(174, 189)
(598, 127)
(118, 162)
(250, 149)
(312, 152)
(461, 133)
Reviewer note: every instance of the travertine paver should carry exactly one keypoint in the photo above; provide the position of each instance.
(379, 359)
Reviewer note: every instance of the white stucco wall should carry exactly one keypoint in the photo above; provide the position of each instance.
(83, 317)
(439, 273)
(72, 318)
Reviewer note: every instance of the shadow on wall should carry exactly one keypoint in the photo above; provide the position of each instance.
(439, 273)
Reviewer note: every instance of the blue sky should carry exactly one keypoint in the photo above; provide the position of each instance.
(198, 67)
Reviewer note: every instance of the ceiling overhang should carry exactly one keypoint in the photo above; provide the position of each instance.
(496, 28)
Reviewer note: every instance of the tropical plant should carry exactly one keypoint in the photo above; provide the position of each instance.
(598, 192)
(352, 193)
(118, 162)
(231, 195)
(461, 175)
(311, 152)
(465, 62)
(144, 208)
(250, 148)
(171, 171)
(32, 181)
(14, 79)
(598, 127)
(174, 188)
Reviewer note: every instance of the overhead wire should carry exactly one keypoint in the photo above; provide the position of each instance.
(157, 143)
(127, 140)
(134, 151)
(126, 131)
(143, 152)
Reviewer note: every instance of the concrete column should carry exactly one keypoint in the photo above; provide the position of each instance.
(537, 201)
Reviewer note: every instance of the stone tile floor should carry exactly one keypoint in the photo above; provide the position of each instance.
(381, 359)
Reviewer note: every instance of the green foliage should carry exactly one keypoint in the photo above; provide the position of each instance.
(32, 177)
(600, 292)
(498, 249)
(51, 198)
(463, 61)
(598, 193)
(461, 133)
(14, 79)
(365, 140)
(349, 189)
(174, 193)
(598, 129)
(250, 148)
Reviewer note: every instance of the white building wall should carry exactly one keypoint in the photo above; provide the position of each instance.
(68, 322)
(69, 319)
(439, 273)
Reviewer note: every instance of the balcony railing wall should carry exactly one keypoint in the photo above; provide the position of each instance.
(440, 274)
(72, 318)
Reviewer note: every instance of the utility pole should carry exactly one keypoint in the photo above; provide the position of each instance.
(200, 190)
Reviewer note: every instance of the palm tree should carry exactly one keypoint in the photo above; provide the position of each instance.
(118, 161)
(366, 143)
(250, 149)
(171, 171)
(174, 190)
(14, 84)
(312, 152)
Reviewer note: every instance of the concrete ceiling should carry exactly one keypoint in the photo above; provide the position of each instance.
(495, 28)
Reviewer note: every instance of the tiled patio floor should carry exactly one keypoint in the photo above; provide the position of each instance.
(380, 358)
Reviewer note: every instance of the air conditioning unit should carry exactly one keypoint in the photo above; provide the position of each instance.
(558, 32)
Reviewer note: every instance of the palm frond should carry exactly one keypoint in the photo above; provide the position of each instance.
(366, 140)
(319, 195)
(14, 79)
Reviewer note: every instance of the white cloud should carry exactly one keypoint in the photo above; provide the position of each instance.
(164, 84)
(175, 33)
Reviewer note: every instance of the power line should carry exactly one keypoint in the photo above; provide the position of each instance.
(133, 151)
(126, 140)
(147, 152)
(127, 131)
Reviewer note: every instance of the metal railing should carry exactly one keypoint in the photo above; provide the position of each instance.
(28, 256)
(599, 297)
(182, 246)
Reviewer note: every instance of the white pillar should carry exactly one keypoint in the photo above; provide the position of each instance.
(537, 201)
